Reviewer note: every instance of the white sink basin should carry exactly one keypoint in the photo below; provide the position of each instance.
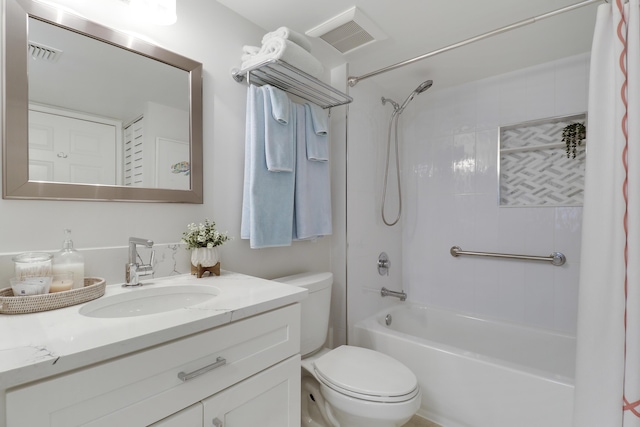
(141, 302)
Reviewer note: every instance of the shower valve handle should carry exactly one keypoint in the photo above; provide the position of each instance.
(383, 264)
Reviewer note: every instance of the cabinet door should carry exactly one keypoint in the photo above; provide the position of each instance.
(270, 398)
(188, 417)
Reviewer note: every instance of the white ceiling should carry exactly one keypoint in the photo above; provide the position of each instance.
(416, 27)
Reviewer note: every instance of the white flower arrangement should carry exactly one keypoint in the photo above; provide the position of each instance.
(203, 235)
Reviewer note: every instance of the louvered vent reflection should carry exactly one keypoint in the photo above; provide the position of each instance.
(40, 51)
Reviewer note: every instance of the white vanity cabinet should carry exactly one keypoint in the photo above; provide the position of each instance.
(243, 374)
(188, 417)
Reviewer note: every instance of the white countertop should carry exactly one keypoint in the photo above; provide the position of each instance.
(35, 346)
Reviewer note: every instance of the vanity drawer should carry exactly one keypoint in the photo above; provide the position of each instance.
(143, 387)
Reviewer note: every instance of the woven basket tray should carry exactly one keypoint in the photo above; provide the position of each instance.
(94, 287)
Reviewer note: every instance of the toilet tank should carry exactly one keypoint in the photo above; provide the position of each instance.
(314, 309)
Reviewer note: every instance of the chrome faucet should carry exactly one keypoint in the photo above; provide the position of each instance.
(133, 270)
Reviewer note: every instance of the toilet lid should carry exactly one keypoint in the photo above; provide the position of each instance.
(366, 374)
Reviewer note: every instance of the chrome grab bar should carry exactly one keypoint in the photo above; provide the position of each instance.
(556, 258)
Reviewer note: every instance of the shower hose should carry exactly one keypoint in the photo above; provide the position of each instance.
(393, 124)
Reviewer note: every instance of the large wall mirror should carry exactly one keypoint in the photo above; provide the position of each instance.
(95, 114)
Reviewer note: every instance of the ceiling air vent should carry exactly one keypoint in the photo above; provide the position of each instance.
(348, 31)
(40, 51)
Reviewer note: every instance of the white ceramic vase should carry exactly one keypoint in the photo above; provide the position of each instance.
(206, 257)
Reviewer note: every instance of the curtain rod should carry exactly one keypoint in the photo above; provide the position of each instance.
(354, 80)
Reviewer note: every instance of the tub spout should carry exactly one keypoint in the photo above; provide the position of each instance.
(389, 293)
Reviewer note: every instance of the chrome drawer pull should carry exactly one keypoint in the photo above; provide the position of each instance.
(219, 362)
(216, 422)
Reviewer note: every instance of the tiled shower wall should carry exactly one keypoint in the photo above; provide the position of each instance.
(367, 236)
(450, 144)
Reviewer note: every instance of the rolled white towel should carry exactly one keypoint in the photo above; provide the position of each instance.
(252, 50)
(249, 52)
(289, 52)
(288, 34)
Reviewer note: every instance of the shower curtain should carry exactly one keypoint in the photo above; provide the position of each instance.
(607, 392)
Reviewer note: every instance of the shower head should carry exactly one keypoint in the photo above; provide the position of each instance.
(421, 88)
(424, 86)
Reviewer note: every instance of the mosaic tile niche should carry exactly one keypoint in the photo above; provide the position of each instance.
(534, 167)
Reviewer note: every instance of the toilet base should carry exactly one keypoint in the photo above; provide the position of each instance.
(317, 412)
(312, 405)
(350, 412)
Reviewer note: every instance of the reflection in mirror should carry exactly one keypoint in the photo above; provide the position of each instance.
(110, 117)
(85, 99)
(535, 168)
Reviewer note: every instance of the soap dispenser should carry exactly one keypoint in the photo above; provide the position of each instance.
(69, 260)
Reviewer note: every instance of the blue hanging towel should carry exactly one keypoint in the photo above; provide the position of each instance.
(268, 197)
(279, 132)
(313, 184)
(317, 130)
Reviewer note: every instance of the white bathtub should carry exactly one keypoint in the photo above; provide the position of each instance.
(478, 373)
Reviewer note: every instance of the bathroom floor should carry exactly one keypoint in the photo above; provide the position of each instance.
(416, 421)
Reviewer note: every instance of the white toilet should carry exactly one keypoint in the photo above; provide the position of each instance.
(348, 386)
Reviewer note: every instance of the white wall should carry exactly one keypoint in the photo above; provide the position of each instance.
(162, 121)
(442, 207)
(338, 322)
(209, 33)
(450, 170)
(367, 235)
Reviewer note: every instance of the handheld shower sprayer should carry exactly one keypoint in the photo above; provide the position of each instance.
(397, 110)
(421, 88)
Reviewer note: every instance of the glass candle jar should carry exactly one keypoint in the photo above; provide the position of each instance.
(32, 264)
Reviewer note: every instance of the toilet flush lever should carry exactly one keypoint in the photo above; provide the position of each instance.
(216, 422)
(383, 264)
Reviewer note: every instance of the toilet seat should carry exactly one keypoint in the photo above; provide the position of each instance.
(366, 374)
